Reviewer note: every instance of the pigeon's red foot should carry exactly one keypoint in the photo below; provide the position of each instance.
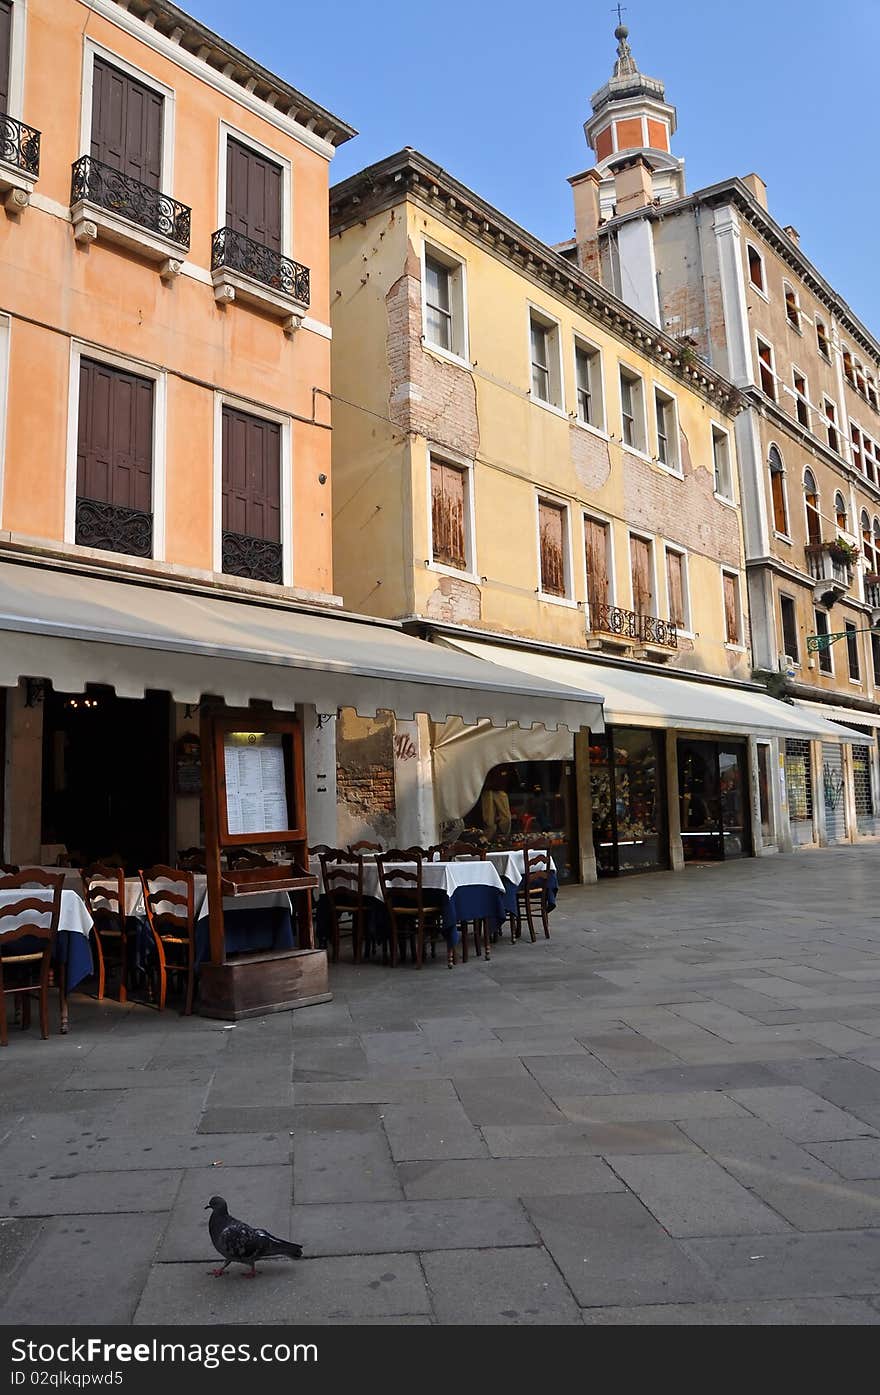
(249, 1274)
(218, 1273)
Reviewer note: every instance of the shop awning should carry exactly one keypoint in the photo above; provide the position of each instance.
(76, 628)
(636, 697)
(847, 716)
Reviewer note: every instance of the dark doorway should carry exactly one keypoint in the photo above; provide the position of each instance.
(714, 801)
(629, 801)
(106, 776)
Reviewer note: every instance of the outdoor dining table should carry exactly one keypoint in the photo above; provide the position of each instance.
(72, 954)
(511, 866)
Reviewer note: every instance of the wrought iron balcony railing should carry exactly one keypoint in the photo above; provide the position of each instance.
(255, 558)
(19, 146)
(628, 624)
(232, 251)
(825, 563)
(119, 193)
(114, 528)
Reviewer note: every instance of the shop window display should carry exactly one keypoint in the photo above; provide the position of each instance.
(628, 795)
(524, 802)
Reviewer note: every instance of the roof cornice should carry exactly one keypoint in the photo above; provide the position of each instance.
(225, 60)
(410, 175)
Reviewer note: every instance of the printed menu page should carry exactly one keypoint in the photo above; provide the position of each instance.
(256, 787)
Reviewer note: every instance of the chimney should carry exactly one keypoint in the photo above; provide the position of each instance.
(585, 188)
(757, 188)
(633, 185)
(793, 234)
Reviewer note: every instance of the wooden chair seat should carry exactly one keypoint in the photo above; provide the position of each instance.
(41, 914)
(343, 879)
(408, 909)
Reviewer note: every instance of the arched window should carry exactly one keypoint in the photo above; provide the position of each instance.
(777, 487)
(840, 511)
(867, 541)
(811, 503)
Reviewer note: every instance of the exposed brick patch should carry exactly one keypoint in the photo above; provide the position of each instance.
(683, 510)
(370, 790)
(454, 601)
(428, 396)
(590, 457)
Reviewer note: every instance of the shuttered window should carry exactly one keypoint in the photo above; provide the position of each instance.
(732, 631)
(596, 538)
(126, 124)
(251, 496)
(675, 587)
(448, 535)
(790, 644)
(777, 484)
(551, 533)
(642, 576)
(114, 463)
(253, 195)
(5, 47)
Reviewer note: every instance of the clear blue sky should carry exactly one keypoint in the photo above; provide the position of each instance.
(497, 93)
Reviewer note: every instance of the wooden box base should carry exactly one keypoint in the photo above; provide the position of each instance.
(255, 984)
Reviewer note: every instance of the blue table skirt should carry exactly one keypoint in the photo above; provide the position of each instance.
(265, 927)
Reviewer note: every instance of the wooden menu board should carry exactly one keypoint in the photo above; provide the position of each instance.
(254, 796)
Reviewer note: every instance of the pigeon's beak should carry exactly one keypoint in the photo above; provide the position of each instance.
(208, 1207)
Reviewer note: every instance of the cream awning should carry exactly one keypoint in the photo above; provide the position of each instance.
(76, 628)
(848, 716)
(636, 697)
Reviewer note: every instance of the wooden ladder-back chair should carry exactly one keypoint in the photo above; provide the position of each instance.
(8, 869)
(364, 846)
(469, 852)
(532, 893)
(343, 880)
(408, 912)
(104, 894)
(169, 898)
(24, 920)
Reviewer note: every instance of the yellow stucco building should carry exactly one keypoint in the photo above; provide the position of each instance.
(527, 469)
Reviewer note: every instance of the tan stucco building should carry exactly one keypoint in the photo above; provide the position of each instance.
(527, 469)
(719, 274)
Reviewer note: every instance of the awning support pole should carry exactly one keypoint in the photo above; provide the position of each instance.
(584, 797)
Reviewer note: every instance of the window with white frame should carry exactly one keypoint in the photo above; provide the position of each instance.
(830, 411)
(849, 371)
(127, 121)
(546, 377)
(632, 410)
(553, 558)
(756, 268)
(444, 311)
(822, 342)
(855, 435)
(668, 452)
(450, 514)
(801, 398)
(778, 491)
(678, 604)
(792, 306)
(840, 512)
(721, 462)
(766, 371)
(824, 655)
(588, 379)
(733, 633)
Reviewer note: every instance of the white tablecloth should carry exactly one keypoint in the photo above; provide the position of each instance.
(512, 865)
(436, 876)
(74, 918)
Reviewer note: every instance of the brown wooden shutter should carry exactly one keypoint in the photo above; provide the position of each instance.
(251, 476)
(5, 49)
(675, 583)
(115, 437)
(253, 195)
(643, 591)
(731, 609)
(126, 124)
(596, 535)
(551, 530)
(447, 514)
(780, 521)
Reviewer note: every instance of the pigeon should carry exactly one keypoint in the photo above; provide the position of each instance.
(239, 1243)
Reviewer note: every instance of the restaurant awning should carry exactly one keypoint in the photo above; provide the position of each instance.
(847, 716)
(76, 628)
(637, 697)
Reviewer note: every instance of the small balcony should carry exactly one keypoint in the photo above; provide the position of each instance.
(831, 568)
(258, 559)
(615, 628)
(19, 162)
(245, 270)
(109, 205)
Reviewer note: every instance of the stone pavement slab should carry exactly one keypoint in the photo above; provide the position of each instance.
(373, 1091)
(688, 1104)
(824, 1312)
(517, 1101)
(692, 1195)
(416, 1132)
(792, 1266)
(800, 1114)
(566, 1140)
(611, 1250)
(491, 1177)
(852, 1158)
(341, 1166)
(355, 1288)
(93, 1193)
(104, 1261)
(504, 1287)
(378, 1227)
